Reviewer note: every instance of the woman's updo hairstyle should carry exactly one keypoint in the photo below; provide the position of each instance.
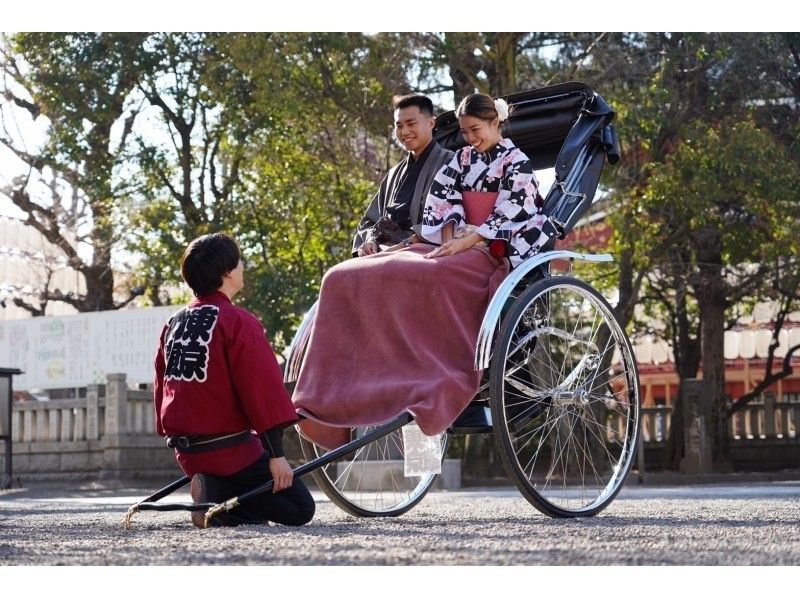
(479, 105)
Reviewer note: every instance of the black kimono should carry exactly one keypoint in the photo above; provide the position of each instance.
(402, 193)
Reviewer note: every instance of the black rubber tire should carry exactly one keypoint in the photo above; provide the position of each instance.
(539, 402)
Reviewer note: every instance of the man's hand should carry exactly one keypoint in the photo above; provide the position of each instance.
(368, 248)
(281, 474)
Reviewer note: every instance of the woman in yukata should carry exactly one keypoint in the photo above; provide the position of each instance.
(396, 331)
(487, 193)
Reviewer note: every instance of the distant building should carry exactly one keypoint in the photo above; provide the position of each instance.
(746, 351)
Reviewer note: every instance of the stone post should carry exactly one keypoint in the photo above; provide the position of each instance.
(53, 417)
(92, 412)
(127, 454)
(41, 424)
(116, 405)
(697, 423)
(115, 439)
(67, 430)
(769, 415)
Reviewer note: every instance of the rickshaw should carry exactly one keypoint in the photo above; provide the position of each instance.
(560, 389)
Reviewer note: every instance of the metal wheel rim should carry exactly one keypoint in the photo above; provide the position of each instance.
(382, 459)
(572, 456)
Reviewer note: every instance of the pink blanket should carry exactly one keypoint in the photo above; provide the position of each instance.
(395, 332)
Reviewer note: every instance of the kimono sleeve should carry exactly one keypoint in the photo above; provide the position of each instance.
(256, 376)
(444, 202)
(373, 214)
(517, 200)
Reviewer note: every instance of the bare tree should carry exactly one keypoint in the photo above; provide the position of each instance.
(80, 84)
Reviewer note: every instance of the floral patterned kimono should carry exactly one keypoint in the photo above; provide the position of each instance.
(504, 170)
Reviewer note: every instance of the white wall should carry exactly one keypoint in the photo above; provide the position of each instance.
(73, 351)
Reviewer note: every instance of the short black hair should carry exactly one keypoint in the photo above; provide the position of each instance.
(413, 99)
(206, 260)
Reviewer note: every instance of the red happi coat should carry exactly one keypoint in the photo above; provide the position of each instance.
(216, 373)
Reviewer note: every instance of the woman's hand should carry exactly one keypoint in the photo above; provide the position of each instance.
(447, 232)
(455, 246)
(281, 474)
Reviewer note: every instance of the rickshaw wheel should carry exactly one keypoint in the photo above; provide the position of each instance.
(371, 481)
(564, 398)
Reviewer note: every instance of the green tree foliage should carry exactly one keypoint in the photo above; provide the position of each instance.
(495, 63)
(669, 90)
(278, 138)
(309, 171)
(725, 198)
(188, 154)
(281, 139)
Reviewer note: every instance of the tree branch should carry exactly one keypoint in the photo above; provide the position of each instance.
(34, 311)
(212, 169)
(578, 61)
(11, 68)
(69, 298)
(32, 108)
(155, 99)
(134, 293)
(20, 198)
(73, 177)
(770, 379)
(172, 190)
(127, 128)
(201, 183)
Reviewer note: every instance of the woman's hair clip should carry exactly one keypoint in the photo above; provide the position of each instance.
(502, 109)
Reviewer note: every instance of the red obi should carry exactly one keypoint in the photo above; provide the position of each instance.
(478, 205)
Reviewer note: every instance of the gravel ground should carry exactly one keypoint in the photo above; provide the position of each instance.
(751, 524)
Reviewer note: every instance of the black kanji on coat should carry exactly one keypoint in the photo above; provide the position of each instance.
(187, 361)
(187, 343)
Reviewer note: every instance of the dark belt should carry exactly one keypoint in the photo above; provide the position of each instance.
(202, 444)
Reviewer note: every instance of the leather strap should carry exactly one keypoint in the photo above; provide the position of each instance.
(202, 444)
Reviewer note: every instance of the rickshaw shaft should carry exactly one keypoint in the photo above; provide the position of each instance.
(337, 453)
(149, 503)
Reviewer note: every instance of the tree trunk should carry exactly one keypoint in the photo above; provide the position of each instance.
(462, 86)
(503, 78)
(99, 287)
(686, 350)
(713, 316)
(711, 298)
(463, 65)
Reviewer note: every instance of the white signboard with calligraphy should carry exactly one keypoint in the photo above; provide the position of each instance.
(72, 351)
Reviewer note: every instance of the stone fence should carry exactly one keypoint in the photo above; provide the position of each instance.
(111, 434)
(763, 436)
(763, 420)
(104, 435)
